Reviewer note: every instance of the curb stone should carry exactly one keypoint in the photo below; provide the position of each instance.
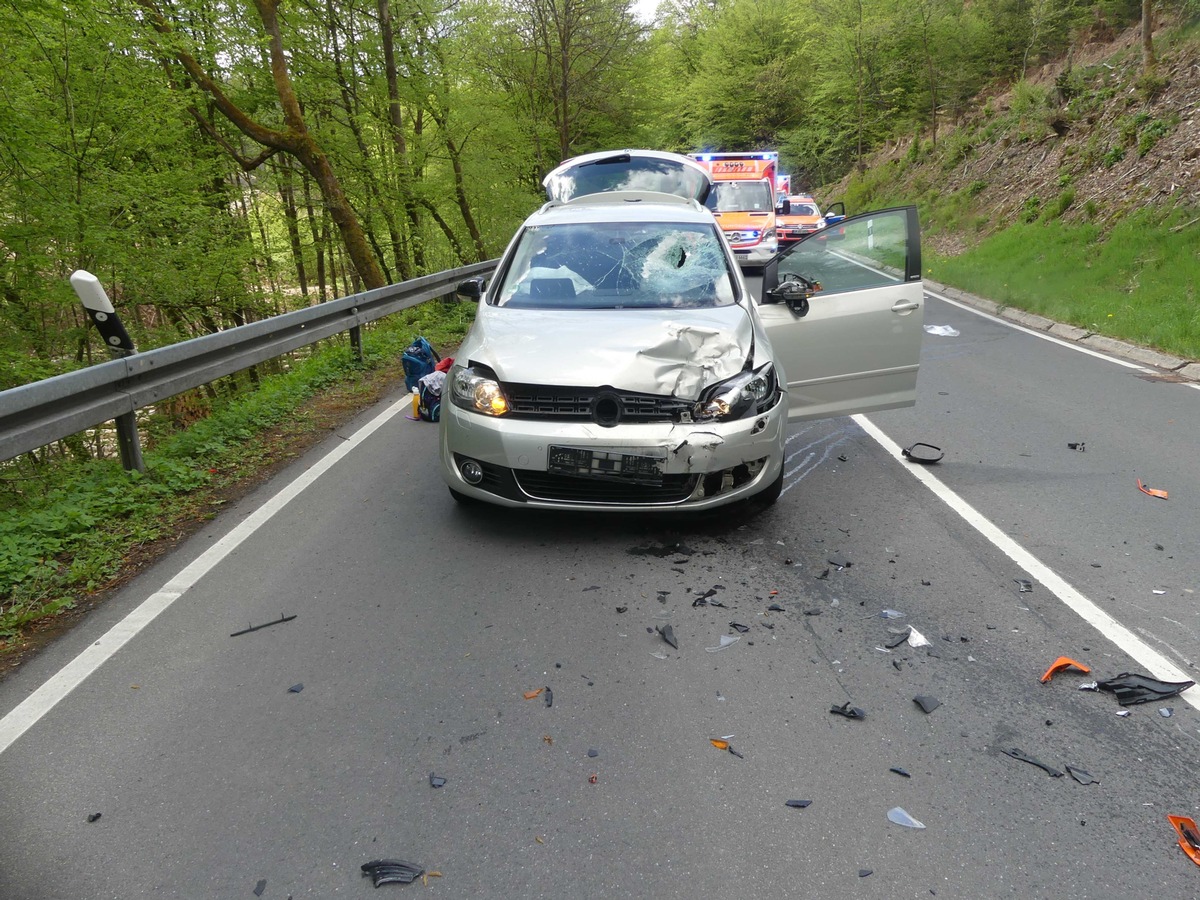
(1183, 368)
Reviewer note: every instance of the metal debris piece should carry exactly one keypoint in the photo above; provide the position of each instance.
(282, 618)
(928, 704)
(1089, 686)
(1021, 755)
(850, 712)
(1081, 775)
(391, 871)
(900, 817)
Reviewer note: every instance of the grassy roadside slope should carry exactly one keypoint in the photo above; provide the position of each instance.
(1074, 194)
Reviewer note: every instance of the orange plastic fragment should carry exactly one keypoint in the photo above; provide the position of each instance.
(1063, 662)
(592, 779)
(774, 593)
(529, 695)
(719, 744)
(1153, 492)
(1189, 836)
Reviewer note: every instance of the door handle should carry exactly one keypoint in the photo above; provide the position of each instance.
(905, 306)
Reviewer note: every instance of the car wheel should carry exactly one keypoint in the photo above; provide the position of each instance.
(766, 498)
(461, 498)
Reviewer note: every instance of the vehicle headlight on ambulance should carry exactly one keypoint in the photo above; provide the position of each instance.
(478, 390)
(745, 394)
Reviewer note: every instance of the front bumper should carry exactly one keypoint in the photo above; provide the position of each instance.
(706, 465)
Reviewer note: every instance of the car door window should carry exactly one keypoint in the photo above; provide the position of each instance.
(867, 251)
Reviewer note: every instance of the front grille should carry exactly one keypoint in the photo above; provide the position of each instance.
(569, 489)
(574, 404)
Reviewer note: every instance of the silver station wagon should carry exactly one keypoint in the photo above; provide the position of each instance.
(621, 360)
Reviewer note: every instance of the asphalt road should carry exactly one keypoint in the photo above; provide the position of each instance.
(419, 625)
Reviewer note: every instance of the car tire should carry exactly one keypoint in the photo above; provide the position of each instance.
(766, 499)
(461, 498)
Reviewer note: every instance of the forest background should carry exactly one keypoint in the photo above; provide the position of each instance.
(216, 163)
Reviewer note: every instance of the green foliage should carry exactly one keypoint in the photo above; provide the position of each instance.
(1031, 209)
(1150, 135)
(1059, 205)
(1113, 156)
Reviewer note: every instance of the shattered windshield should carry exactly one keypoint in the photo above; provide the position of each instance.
(740, 196)
(618, 265)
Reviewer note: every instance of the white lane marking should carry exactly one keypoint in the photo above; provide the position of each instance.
(1071, 345)
(1143, 653)
(70, 676)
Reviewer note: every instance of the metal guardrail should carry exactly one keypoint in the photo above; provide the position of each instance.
(37, 414)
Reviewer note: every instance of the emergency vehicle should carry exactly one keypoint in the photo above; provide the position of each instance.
(743, 201)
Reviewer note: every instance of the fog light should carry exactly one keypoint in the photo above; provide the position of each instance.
(471, 471)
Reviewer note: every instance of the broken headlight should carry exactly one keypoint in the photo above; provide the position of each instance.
(745, 394)
(478, 390)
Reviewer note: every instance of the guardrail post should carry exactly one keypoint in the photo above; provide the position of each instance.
(100, 310)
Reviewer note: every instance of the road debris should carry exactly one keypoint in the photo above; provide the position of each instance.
(391, 871)
(1061, 664)
(549, 697)
(295, 688)
(850, 712)
(593, 753)
(1167, 711)
(1123, 713)
(915, 639)
(942, 330)
(1077, 445)
(1131, 688)
(282, 618)
(1089, 686)
(775, 607)
(1024, 585)
(1189, 836)
(668, 635)
(925, 454)
(1021, 755)
(863, 873)
(93, 817)
(726, 640)
(839, 560)
(798, 804)
(739, 627)
(1153, 492)
(891, 614)
(900, 817)
(723, 744)
(529, 695)
(1081, 775)
(594, 778)
(437, 781)
(622, 609)
(903, 773)
(260, 887)
(928, 704)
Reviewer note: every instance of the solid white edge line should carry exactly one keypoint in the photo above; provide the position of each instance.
(27, 713)
(1110, 628)
(1054, 339)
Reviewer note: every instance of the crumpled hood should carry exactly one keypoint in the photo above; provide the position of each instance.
(668, 352)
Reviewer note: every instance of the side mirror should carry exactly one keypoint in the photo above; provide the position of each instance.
(785, 207)
(795, 292)
(471, 289)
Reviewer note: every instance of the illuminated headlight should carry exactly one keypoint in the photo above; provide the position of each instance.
(770, 240)
(477, 391)
(745, 394)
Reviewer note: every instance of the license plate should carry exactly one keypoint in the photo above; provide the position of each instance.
(617, 465)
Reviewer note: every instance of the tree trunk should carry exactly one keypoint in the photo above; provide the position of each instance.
(1148, 62)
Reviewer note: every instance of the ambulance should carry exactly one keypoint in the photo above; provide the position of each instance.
(743, 201)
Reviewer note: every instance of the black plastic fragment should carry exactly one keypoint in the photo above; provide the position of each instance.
(295, 688)
(436, 781)
(282, 618)
(863, 873)
(923, 453)
(928, 704)
(899, 771)
(1130, 688)
(391, 871)
(843, 458)
(735, 753)
(839, 560)
(1024, 585)
(1081, 446)
(823, 575)
(593, 753)
(798, 804)
(92, 817)
(896, 641)
(260, 887)
(1081, 775)
(739, 627)
(668, 635)
(549, 695)
(1025, 757)
(622, 609)
(775, 607)
(812, 612)
(850, 712)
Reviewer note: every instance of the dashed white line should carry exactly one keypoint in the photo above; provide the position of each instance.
(1158, 665)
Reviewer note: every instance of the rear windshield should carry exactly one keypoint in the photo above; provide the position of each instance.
(618, 265)
(623, 172)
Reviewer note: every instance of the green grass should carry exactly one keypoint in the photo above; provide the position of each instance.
(1136, 282)
(67, 528)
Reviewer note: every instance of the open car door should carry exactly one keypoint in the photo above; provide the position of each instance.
(845, 316)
